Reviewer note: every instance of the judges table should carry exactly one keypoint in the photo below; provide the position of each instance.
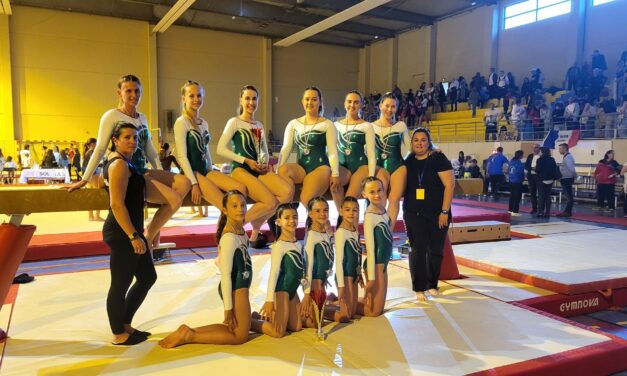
(45, 174)
(468, 187)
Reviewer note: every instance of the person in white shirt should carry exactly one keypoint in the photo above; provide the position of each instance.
(162, 187)
(491, 120)
(571, 114)
(26, 157)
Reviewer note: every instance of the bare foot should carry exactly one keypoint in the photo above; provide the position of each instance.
(177, 338)
(255, 315)
(420, 296)
(99, 219)
(344, 315)
(331, 297)
(120, 338)
(434, 292)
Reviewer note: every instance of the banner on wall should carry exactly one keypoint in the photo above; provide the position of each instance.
(554, 138)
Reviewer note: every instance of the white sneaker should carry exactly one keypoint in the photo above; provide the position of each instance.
(515, 214)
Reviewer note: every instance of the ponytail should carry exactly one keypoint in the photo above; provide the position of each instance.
(279, 210)
(310, 204)
(345, 200)
(222, 219)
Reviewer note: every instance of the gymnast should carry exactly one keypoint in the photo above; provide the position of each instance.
(378, 248)
(162, 187)
(392, 145)
(244, 143)
(236, 274)
(191, 134)
(281, 311)
(356, 149)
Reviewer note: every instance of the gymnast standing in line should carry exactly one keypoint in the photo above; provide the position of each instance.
(162, 187)
(244, 143)
(392, 145)
(123, 233)
(316, 154)
(236, 273)
(281, 311)
(378, 248)
(319, 251)
(191, 135)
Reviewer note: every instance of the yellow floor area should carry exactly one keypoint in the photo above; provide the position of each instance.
(59, 326)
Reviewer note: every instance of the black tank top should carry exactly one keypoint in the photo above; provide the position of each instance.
(134, 202)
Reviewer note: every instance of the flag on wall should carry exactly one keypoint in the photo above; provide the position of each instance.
(554, 138)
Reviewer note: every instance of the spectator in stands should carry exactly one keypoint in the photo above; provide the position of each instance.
(473, 170)
(491, 119)
(621, 121)
(49, 161)
(10, 167)
(64, 160)
(473, 100)
(571, 114)
(26, 158)
(623, 171)
(55, 151)
(507, 96)
(167, 158)
(512, 82)
(598, 61)
(495, 171)
(605, 118)
(537, 79)
(484, 96)
(502, 84)
(95, 181)
(518, 116)
(569, 174)
(526, 90)
(453, 94)
(397, 92)
(76, 164)
(516, 175)
(477, 81)
(532, 176)
(588, 119)
(547, 171)
(597, 82)
(572, 77)
(621, 74)
(557, 116)
(2, 160)
(606, 174)
(545, 120)
(441, 95)
(463, 89)
(493, 80)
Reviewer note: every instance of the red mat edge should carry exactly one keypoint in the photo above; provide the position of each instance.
(553, 303)
(598, 359)
(560, 288)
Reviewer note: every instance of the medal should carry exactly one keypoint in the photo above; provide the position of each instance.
(348, 151)
(329, 273)
(306, 151)
(384, 156)
(303, 282)
(246, 274)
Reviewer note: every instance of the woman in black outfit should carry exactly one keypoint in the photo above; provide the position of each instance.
(123, 233)
(426, 211)
(546, 170)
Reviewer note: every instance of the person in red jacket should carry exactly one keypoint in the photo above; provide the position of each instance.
(606, 174)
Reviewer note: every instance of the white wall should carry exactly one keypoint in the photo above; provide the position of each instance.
(381, 60)
(606, 31)
(414, 58)
(464, 44)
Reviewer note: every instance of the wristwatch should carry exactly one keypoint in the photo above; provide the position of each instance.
(133, 236)
(444, 212)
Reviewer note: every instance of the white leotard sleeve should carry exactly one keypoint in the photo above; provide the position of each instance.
(406, 144)
(181, 127)
(288, 143)
(276, 257)
(151, 153)
(310, 243)
(331, 135)
(224, 144)
(105, 130)
(340, 240)
(226, 250)
(263, 152)
(369, 224)
(370, 150)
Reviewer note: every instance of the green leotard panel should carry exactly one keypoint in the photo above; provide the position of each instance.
(316, 143)
(197, 149)
(243, 143)
(383, 245)
(352, 258)
(139, 157)
(242, 271)
(323, 261)
(391, 146)
(291, 274)
(351, 147)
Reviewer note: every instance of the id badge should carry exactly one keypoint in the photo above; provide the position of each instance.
(420, 194)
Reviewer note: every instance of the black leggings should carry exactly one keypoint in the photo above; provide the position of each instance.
(427, 250)
(122, 303)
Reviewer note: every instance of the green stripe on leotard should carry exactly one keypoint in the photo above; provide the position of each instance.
(139, 157)
(291, 273)
(197, 149)
(316, 143)
(355, 141)
(391, 146)
(243, 143)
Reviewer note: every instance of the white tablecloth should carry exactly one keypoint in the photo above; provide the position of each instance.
(45, 174)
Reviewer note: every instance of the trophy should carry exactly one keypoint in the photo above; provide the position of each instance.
(319, 298)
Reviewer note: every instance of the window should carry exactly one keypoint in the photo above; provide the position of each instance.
(531, 11)
(599, 2)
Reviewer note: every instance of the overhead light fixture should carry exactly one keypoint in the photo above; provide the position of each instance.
(5, 7)
(473, 3)
(327, 23)
(376, 37)
(173, 14)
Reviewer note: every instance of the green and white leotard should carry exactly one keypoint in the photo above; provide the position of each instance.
(287, 270)
(314, 142)
(356, 146)
(378, 241)
(347, 255)
(319, 257)
(192, 147)
(241, 140)
(236, 267)
(393, 145)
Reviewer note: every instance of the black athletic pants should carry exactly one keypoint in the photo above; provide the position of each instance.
(122, 303)
(567, 189)
(515, 194)
(427, 250)
(533, 192)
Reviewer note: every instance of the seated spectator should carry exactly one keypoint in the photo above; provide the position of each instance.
(588, 119)
(9, 167)
(571, 114)
(557, 116)
(491, 119)
(166, 157)
(49, 161)
(473, 171)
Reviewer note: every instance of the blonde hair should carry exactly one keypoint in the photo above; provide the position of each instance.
(183, 90)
